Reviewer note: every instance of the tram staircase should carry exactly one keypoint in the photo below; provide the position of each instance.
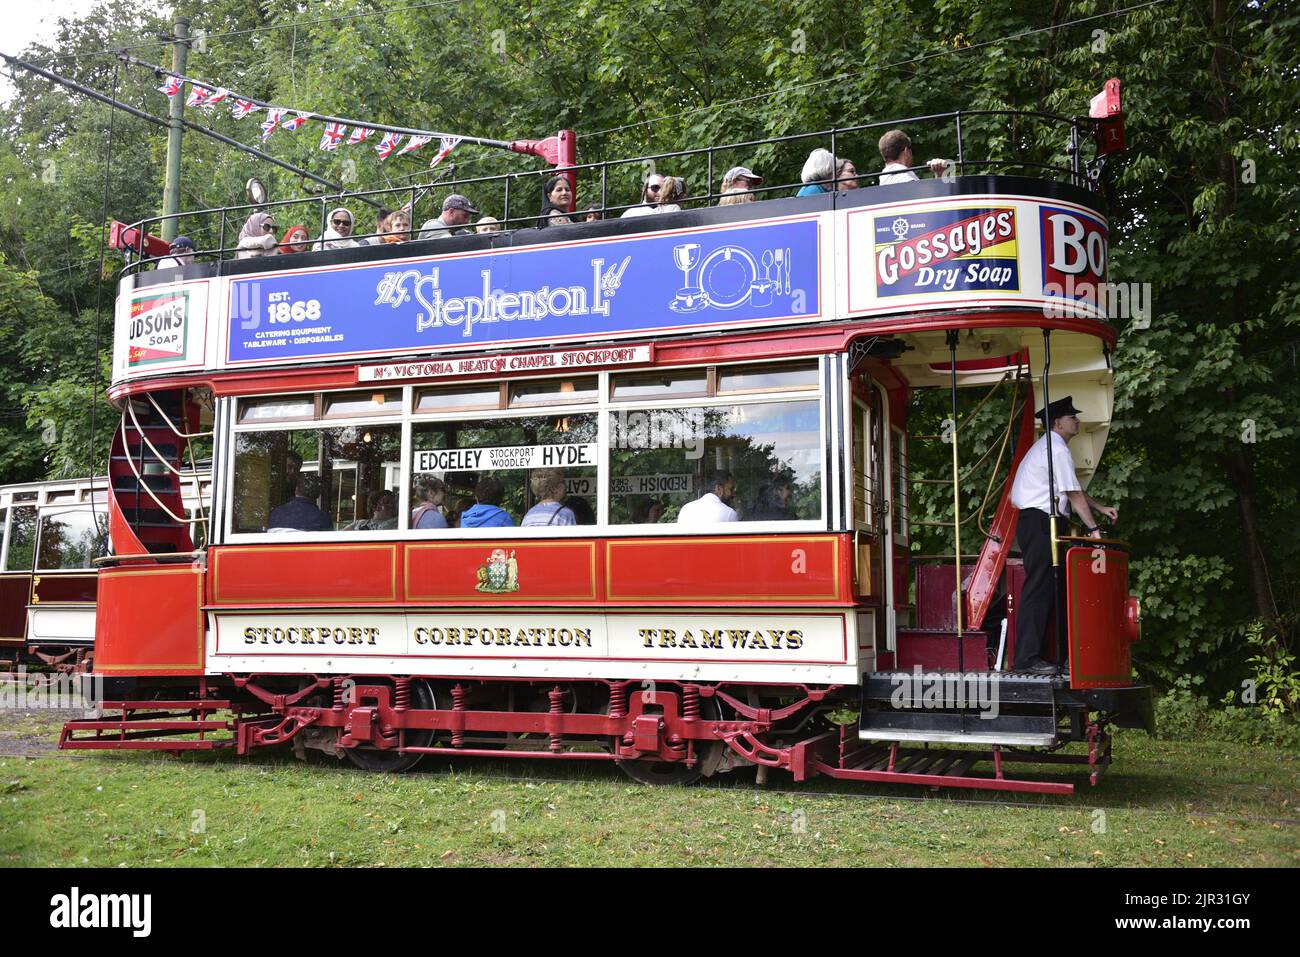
(147, 469)
(957, 698)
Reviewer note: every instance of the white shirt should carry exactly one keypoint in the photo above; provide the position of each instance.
(1029, 490)
(638, 211)
(896, 173)
(706, 509)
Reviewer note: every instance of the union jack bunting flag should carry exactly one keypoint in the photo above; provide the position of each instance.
(297, 120)
(388, 144)
(171, 87)
(242, 108)
(197, 95)
(359, 135)
(215, 98)
(333, 136)
(273, 117)
(446, 145)
(413, 144)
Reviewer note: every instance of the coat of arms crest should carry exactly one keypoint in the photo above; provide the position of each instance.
(499, 574)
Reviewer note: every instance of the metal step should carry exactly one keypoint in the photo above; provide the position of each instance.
(898, 734)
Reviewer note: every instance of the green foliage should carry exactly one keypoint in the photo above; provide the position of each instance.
(1184, 716)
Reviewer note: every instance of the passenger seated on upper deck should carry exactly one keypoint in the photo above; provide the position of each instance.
(300, 513)
(338, 233)
(296, 240)
(846, 176)
(381, 226)
(593, 213)
(182, 254)
(896, 150)
(671, 195)
(735, 195)
(548, 488)
(397, 229)
(741, 177)
(432, 491)
(818, 173)
(456, 211)
(487, 224)
(650, 190)
(487, 513)
(257, 237)
(557, 196)
(712, 505)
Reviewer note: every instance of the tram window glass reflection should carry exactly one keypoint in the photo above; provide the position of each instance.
(773, 451)
(340, 404)
(277, 408)
(348, 469)
(552, 391)
(22, 539)
(665, 384)
(4, 515)
(510, 450)
(767, 378)
(72, 539)
(463, 398)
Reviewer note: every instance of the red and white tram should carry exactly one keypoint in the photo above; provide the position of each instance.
(776, 342)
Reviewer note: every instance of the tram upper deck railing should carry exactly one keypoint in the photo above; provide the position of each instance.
(217, 228)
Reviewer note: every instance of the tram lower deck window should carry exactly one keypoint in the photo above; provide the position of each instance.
(72, 539)
(660, 459)
(351, 479)
(513, 452)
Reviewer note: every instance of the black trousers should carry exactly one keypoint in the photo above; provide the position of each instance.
(1034, 536)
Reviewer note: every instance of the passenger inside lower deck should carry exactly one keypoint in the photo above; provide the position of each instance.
(301, 512)
(548, 488)
(487, 511)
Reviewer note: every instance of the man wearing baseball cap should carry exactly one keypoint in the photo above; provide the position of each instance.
(1030, 492)
(182, 254)
(456, 212)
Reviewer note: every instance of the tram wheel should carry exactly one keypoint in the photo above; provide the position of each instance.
(650, 771)
(394, 762)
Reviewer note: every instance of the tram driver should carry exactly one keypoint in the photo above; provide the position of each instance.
(1030, 493)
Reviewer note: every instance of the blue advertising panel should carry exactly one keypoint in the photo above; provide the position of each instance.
(753, 273)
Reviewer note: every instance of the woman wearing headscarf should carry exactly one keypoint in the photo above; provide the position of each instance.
(257, 237)
(818, 171)
(338, 230)
(296, 240)
(557, 197)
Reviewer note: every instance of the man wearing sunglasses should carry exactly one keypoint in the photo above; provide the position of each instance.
(650, 192)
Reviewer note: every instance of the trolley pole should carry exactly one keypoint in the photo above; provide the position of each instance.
(176, 124)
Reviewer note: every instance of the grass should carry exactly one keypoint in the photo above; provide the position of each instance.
(1165, 803)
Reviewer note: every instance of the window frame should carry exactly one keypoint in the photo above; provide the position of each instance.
(601, 405)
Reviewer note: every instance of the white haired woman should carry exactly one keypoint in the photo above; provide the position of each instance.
(818, 173)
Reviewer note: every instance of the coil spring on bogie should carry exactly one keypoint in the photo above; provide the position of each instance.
(458, 704)
(402, 696)
(618, 699)
(339, 693)
(691, 702)
(556, 696)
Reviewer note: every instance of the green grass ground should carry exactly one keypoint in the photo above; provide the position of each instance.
(1164, 803)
